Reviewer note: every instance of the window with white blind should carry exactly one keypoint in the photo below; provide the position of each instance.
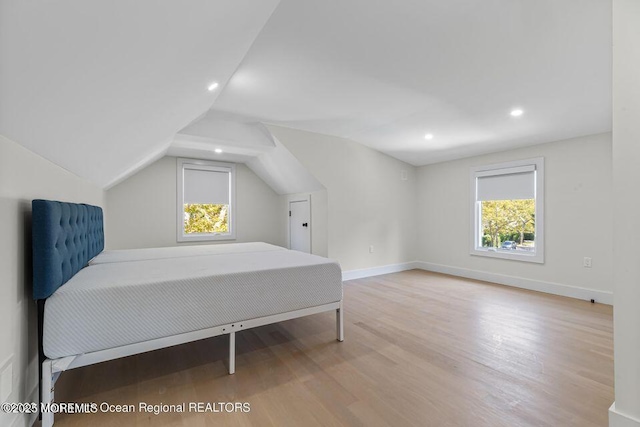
(507, 210)
(206, 200)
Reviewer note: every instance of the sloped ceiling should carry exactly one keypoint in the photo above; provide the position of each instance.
(386, 73)
(100, 87)
(243, 139)
(104, 88)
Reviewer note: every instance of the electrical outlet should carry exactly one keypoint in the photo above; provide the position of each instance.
(6, 379)
(587, 262)
(371, 249)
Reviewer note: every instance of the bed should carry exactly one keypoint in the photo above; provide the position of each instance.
(96, 305)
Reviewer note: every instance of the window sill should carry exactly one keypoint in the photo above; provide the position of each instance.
(536, 257)
(206, 238)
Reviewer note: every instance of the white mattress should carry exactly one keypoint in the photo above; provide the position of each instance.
(127, 255)
(112, 304)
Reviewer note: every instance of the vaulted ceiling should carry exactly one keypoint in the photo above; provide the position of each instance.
(98, 87)
(102, 88)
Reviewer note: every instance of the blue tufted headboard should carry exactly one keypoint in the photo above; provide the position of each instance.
(65, 237)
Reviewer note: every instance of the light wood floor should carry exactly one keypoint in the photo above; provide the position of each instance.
(421, 349)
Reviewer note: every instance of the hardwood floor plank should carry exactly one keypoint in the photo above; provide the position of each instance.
(421, 349)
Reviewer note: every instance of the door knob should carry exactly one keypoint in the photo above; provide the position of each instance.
(305, 224)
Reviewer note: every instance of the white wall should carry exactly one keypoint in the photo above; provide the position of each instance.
(367, 202)
(578, 219)
(626, 185)
(141, 211)
(25, 176)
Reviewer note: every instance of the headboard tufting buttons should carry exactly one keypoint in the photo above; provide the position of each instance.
(65, 237)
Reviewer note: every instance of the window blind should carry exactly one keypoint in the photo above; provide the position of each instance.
(203, 186)
(506, 184)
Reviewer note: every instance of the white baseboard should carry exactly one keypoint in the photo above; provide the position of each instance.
(520, 282)
(616, 419)
(377, 271)
(603, 297)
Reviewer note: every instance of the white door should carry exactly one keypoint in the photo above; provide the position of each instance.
(300, 225)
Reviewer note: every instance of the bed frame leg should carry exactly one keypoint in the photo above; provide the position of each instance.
(232, 353)
(47, 392)
(340, 323)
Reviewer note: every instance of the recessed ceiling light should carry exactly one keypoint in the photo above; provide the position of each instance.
(218, 150)
(428, 136)
(213, 86)
(517, 112)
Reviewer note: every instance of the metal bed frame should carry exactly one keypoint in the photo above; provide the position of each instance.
(52, 368)
(65, 237)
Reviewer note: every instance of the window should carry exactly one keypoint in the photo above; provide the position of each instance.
(507, 210)
(206, 200)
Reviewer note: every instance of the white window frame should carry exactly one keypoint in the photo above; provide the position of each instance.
(183, 164)
(476, 219)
